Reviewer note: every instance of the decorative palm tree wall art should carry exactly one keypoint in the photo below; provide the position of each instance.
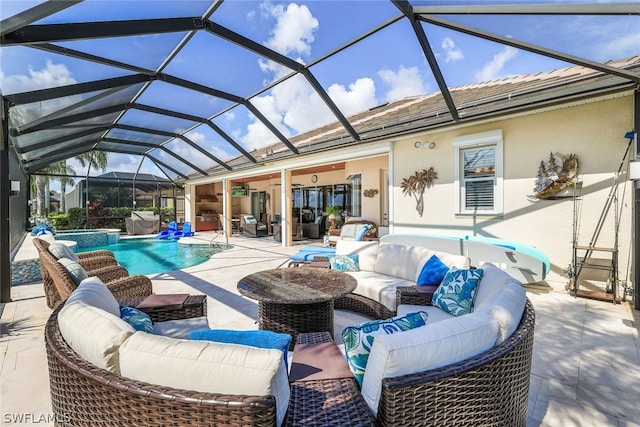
(416, 184)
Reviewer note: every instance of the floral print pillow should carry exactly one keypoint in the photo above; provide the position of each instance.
(358, 339)
(345, 262)
(457, 292)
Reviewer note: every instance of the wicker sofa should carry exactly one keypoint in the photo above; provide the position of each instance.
(465, 371)
(95, 378)
(384, 267)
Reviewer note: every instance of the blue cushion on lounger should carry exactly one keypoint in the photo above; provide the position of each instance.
(253, 338)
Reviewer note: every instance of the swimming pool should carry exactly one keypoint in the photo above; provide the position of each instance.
(149, 256)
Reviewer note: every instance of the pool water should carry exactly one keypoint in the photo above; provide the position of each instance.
(149, 256)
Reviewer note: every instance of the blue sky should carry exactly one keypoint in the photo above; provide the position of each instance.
(385, 67)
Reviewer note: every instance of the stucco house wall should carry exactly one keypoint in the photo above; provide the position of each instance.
(593, 130)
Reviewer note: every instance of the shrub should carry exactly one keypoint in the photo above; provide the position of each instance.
(60, 221)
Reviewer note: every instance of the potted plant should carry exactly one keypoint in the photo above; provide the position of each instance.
(333, 215)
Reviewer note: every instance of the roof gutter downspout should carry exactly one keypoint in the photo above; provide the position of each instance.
(5, 230)
(636, 205)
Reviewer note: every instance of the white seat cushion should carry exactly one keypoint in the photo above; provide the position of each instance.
(436, 314)
(94, 334)
(379, 287)
(425, 348)
(207, 366)
(180, 328)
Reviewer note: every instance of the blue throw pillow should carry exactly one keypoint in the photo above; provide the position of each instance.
(433, 272)
(136, 318)
(358, 339)
(253, 338)
(345, 262)
(363, 230)
(457, 292)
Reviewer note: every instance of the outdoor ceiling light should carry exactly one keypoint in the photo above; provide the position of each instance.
(430, 145)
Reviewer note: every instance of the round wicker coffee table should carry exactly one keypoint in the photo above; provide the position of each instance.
(298, 299)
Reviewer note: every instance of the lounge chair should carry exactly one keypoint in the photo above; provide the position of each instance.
(185, 232)
(172, 228)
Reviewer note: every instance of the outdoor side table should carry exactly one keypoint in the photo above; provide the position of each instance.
(296, 300)
(193, 306)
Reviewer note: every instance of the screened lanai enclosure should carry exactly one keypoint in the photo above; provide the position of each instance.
(120, 189)
(187, 90)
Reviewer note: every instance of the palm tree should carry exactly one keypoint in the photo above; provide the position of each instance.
(95, 159)
(42, 184)
(416, 184)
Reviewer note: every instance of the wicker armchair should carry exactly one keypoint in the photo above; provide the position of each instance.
(58, 285)
(83, 394)
(90, 261)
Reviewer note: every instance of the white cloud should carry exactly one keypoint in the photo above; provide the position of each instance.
(493, 69)
(402, 83)
(621, 47)
(293, 33)
(196, 157)
(451, 52)
(360, 96)
(52, 75)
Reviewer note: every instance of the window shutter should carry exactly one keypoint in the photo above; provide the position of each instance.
(479, 178)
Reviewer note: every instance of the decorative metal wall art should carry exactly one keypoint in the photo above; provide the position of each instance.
(416, 184)
(557, 174)
(370, 193)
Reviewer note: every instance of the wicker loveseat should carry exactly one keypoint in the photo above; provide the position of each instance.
(100, 392)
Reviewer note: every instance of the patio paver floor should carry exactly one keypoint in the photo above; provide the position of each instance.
(586, 363)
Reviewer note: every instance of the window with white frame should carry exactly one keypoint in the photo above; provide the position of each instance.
(478, 173)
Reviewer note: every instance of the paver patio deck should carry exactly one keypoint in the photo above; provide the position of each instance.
(586, 360)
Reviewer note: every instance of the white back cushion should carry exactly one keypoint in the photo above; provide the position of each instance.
(47, 236)
(60, 250)
(207, 366)
(348, 231)
(94, 334)
(493, 279)
(92, 291)
(425, 348)
(400, 260)
(452, 260)
(366, 251)
(507, 307)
